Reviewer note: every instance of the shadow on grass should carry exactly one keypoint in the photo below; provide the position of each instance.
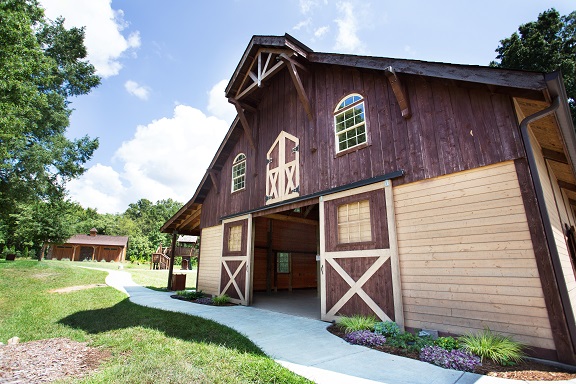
(126, 315)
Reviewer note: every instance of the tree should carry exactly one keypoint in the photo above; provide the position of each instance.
(545, 45)
(42, 65)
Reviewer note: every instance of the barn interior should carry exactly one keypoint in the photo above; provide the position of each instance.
(285, 275)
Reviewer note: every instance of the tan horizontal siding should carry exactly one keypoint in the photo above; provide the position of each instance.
(210, 255)
(466, 256)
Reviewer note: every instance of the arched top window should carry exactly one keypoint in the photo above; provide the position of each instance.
(350, 122)
(239, 172)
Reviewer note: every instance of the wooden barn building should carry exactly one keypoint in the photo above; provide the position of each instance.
(90, 247)
(439, 196)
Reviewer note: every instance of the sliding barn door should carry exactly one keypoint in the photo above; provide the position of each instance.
(359, 256)
(283, 169)
(236, 259)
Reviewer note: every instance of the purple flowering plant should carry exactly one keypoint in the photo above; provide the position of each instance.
(454, 359)
(366, 338)
(204, 300)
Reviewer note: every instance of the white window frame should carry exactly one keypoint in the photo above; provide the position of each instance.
(239, 161)
(346, 104)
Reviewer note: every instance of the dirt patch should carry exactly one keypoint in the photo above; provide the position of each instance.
(77, 288)
(43, 361)
(527, 370)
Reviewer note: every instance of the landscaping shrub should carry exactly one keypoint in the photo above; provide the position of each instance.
(356, 323)
(447, 343)
(499, 348)
(221, 300)
(366, 338)
(387, 328)
(402, 340)
(191, 295)
(454, 359)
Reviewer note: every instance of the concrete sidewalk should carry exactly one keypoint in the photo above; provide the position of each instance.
(304, 346)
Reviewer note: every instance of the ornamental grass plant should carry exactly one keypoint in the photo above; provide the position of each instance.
(357, 323)
(221, 300)
(499, 348)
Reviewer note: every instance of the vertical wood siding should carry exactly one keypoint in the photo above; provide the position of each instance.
(466, 256)
(558, 216)
(210, 254)
(453, 128)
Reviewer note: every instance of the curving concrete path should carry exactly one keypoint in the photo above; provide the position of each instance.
(304, 346)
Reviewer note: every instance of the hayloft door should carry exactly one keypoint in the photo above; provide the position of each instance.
(359, 267)
(283, 169)
(235, 264)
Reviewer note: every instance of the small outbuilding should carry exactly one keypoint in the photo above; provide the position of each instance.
(436, 195)
(90, 247)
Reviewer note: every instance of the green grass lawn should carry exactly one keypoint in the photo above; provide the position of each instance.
(141, 273)
(147, 345)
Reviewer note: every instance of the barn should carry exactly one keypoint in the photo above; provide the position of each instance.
(91, 246)
(439, 196)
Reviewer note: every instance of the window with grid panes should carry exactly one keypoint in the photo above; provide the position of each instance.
(350, 123)
(235, 239)
(239, 172)
(354, 222)
(283, 262)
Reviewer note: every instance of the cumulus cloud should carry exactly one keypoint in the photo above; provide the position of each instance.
(105, 41)
(165, 159)
(137, 90)
(307, 6)
(347, 39)
(302, 24)
(218, 104)
(99, 187)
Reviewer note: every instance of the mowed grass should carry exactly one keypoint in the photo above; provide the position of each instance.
(147, 345)
(141, 273)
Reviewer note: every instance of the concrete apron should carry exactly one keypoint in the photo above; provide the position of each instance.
(303, 345)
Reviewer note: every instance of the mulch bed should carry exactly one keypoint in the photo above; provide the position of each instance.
(184, 298)
(44, 361)
(528, 370)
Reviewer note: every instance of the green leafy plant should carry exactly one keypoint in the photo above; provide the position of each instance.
(356, 323)
(221, 300)
(404, 340)
(447, 343)
(499, 348)
(191, 295)
(387, 328)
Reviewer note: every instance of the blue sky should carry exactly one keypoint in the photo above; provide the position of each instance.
(160, 112)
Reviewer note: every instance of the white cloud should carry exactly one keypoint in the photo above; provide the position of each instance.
(104, 39)
(99, 187)
(218, 104)
(347, 39)
(319, 32)
(303, 23)
(137, 90)
(307, 6)
(165, 159)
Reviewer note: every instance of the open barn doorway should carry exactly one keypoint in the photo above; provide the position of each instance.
(285, 276)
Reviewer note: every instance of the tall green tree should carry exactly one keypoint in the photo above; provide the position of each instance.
(546, 45)
(42, 65)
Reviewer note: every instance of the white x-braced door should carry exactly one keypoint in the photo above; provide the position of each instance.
(283, 169)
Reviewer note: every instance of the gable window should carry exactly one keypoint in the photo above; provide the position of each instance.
(239, 172)
(350, 123)
(354, 222)
(235, 239)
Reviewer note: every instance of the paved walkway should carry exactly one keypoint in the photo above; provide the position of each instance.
(304, 346)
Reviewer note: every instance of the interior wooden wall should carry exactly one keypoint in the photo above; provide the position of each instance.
(466, 256)
(296, 238)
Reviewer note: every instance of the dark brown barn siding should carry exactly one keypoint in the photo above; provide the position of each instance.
(452, 128)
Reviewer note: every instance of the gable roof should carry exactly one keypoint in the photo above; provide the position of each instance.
(267, 55)
(119, 241)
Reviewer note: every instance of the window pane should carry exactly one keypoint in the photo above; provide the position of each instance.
(354, 222)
